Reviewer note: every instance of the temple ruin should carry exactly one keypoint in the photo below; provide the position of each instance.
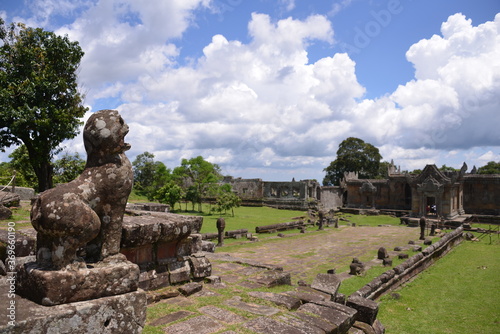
(432, 192)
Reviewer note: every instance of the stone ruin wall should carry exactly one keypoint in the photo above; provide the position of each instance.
(331, 197)
(247, 189)
(24, 193)
(482, 194)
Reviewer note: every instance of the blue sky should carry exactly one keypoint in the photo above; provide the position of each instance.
(268, 89)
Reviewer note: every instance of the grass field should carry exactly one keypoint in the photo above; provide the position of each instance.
(458, 294)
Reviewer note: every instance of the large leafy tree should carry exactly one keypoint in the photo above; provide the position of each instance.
(68, 167)
(40, 104)
(20, 162)
(198, 176)
(353, 155)
(149, 175)
(491, 167)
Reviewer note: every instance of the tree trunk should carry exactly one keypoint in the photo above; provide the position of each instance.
(41, 166)
(44, 174)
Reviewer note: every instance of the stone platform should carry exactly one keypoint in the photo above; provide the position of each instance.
(113, 276)
(124, 313)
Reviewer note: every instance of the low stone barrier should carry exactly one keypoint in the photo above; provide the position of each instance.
(25, 193)
(279, 227)
(363, 300)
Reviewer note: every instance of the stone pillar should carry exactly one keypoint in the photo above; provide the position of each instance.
(422, 223)
(221, 225)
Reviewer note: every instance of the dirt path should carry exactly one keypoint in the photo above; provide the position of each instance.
(304, 256)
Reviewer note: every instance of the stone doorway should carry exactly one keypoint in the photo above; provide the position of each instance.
(431, 207)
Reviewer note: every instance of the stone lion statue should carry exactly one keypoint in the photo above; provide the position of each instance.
(87, 213)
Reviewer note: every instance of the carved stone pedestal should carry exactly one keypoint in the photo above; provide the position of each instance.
(122, 314)
(113, 276)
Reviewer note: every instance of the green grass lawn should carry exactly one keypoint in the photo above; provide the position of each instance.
(244, 218)
(460, 293)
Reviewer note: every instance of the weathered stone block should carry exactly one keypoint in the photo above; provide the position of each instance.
(138, 231)
(202, 325)
(25, 242)
(327, 283)
(340, 319)
(177, 229)
(252, 308)
(207, 246)
(367, 309)
(364, 327)
(339, 307)
(382, 253)
(200, 266)
(165, 251)
(273, 278)
(291, 303)
(196, 243)
(9, 199)
(160, 280)
(184, 247)
(176, 316)
(190, 288)
(213, 279)
(304, 326)
(53, 287)
(5, 213)
(315, 321)
(309, 296)
(139, 255)
(124, 313)
(179, 272)
(266, 325)
(222, 315)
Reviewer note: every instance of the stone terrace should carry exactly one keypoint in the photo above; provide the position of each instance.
(242, 302)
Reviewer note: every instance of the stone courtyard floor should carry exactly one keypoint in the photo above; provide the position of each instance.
(239, 304)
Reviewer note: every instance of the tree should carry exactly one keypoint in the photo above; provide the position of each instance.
(198, 175)
(353, 155)
(149, 175)
(447, 169)
(383, 170)
(491, 167)
(20, 162)
(40, 105)
(226, 200)
(68, 168)
(170, 193)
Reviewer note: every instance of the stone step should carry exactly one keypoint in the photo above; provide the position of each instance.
(291, 303)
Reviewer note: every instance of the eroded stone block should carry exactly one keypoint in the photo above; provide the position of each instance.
(124, 313)
(327, 283)
(53, 287)
(179, 272)
(367, 309)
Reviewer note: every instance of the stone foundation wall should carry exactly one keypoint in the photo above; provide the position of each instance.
(166, 247)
